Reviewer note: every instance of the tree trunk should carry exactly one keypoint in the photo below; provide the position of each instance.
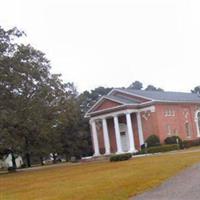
(27, 155)
(67, 157)
(41, 160)
(28, 160)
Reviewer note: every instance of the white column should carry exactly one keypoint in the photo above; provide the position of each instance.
(140, 131)
(130, 133)
(117, 134)
(106, 137)
(95, 138)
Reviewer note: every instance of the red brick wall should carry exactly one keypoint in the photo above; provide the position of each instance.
(149, 123)
(155, 123)
(176, 122)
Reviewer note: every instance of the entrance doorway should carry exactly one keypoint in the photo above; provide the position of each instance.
(124, 137)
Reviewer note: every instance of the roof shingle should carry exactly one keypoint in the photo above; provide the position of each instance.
(166, 96)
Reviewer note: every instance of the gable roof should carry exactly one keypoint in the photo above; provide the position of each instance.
(123, 99)
(130, 97)
(166, 96)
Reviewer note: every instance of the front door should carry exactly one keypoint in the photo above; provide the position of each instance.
(124, 137)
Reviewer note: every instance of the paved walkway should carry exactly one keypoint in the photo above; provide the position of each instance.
(184, 186)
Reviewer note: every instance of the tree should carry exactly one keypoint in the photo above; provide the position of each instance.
(27, 85)
(153, 88)
(88, 99)
(72, 129)
(37, 110)
(137, 85)
(196, 90)
(7, 84)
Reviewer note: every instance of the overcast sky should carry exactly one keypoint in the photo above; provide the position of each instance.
(112, 43)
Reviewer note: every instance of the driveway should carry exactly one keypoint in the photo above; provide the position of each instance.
(184, 186)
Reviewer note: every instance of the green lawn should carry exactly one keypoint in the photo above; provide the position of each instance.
(103, 180)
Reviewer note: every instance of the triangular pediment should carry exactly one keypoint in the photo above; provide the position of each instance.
(105, 104)
(115, 99)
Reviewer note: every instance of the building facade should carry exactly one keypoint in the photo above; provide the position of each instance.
(122, 120)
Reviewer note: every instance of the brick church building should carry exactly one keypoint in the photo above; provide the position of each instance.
(123, 119)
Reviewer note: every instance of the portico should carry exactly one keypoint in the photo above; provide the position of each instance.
(123, 132)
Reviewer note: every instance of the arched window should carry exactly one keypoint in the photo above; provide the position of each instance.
(197, 119)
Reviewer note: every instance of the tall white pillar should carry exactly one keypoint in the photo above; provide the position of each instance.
(117, 134)
(140, 131)
(130, 133)
(106, 137)
(95, 138)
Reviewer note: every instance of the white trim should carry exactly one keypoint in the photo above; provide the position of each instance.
(132, 94)
(164, 101)
(151, 108)
(154, 100)
(94, 105)
(107, 109)
(103, 110)
(109, 93)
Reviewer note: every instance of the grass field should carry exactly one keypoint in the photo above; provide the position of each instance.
(103, 180)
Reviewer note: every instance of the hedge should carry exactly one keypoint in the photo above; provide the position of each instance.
(190, 143)
(163, 148)
(120, 157)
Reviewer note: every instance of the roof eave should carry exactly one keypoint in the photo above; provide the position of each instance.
(132, 94)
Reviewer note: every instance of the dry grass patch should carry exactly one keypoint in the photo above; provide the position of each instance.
(104, 180)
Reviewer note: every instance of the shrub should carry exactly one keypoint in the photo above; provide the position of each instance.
(173, 140)
(163, 148)
(153, 140)
(121, 157)
(190, 143)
